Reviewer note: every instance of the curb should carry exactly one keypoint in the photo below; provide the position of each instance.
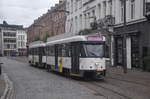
(9, 89)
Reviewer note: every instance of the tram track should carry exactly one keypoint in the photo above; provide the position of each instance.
(128, 81)
(100, 89)
(130, 76)
(111, 90)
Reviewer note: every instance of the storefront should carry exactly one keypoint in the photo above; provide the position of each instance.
(131, 44)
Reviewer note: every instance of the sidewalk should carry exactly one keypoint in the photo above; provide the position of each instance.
(132, 76)
(2, 85)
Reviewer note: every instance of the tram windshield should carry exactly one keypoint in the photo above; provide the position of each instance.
(94, 50)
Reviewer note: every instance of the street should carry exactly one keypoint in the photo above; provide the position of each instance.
(35, 83)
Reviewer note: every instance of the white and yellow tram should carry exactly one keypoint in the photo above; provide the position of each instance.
(37, 56)
(82, 56)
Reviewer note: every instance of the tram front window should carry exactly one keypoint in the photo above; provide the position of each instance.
(94, 50)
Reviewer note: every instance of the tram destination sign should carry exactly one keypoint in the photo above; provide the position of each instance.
(95, 38)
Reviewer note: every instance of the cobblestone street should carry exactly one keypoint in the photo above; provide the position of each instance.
(34, 83)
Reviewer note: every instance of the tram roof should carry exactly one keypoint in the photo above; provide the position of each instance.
(65, 40)
(74, 39)
(37, 44)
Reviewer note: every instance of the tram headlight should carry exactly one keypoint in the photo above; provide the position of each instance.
(96, 64)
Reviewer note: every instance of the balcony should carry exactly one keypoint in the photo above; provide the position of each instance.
(109, 20)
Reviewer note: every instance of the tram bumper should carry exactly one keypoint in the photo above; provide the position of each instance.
(99, 74)
(95, 74)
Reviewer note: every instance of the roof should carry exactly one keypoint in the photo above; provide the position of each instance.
(65, 40)
(37, 44)
(75, 38)
(11, 27)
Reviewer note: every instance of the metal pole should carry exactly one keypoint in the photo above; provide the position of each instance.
(124, 40)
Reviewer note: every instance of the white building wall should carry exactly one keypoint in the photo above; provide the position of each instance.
(77, 9)
(21, 39)
(138, 11)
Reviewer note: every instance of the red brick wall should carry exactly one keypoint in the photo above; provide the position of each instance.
(53, 23)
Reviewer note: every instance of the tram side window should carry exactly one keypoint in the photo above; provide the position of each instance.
(50, 51)
(32, 53)
(60, 50)
(44, 51)
(47, 50)
(35, 51)
(68, 50)
(82, 51)
(64, 50)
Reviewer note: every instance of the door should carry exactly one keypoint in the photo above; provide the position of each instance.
(75, 58)
(40, 50)
(135, 51)
(56, 57)
(119, 51)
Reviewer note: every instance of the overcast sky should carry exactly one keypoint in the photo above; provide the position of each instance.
(23, 12)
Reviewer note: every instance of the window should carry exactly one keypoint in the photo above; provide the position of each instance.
(94, 50)
(110, 7)
(60, 50)
(104, 5)
(76, 23)
(76, 5)
(51, 50)
(80, 4)
(85, 18)
(99, 10)
(93, 13)
(81, 22)
(122, 10)
(71, 6)
(132, 9)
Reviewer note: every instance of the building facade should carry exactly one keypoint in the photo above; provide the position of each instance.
(49, 24)
(21, 42)
(9, 39)
(129, 38)
(84, 12)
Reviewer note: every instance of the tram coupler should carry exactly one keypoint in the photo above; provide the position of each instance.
(1, 68)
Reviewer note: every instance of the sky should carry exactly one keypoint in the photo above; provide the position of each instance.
(23, 12)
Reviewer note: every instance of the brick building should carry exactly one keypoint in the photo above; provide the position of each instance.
(49, 24)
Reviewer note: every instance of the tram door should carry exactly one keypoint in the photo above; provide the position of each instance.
(56, 57)
(40, 55)
(75, 58)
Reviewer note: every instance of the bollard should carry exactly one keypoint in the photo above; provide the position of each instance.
(1, 68)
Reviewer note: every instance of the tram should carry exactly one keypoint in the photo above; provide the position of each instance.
(82, 56)
(37, 56)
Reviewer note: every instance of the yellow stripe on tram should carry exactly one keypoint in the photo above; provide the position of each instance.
(77, 75)
(61, 65)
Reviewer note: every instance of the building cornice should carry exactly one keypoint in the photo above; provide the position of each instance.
(89, 1)
(131, 22)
